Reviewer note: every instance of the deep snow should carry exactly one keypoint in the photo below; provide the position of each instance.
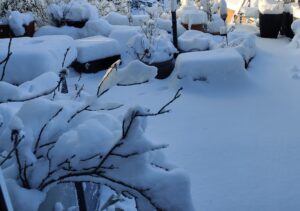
(239, 143)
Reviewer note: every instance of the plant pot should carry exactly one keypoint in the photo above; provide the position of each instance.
(30, 29)
(287, 21)
(270, 25)
(95, 66)
(64, 22)
(6, 32)
(198, 27)
(77, 24)
(164, 69)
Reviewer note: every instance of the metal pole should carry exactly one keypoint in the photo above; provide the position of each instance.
(174, 29)
(80, 196)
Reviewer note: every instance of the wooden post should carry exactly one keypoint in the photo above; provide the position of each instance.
(174, 22)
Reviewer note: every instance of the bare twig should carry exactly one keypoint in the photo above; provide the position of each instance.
(133, 84)
(5, 61)
(42, 130)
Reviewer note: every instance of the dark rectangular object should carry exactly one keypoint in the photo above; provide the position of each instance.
(270, 24)
(6, 32)
(96, 65)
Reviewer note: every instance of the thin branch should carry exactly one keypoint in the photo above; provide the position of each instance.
(160, 167)
(98, 155)
(133, 84)
(11, 151)
(138, 190)
(106, 109)
(5, 61)
(43, 128)
(139, 153)
(65, 56)
(78, 112)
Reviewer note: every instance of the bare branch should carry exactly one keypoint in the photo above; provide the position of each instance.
(5, 61)
(42, 130)
(78, 112)
(133, 84)
(65, 56)
(139, 153)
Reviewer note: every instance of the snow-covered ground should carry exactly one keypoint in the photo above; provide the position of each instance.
(239, 143)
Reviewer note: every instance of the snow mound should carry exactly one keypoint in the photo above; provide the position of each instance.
(136, 72)
(24, 199)
(115, 18)
(32, 57)
(73, 32)
(220, 66)
(96, 47)
(97, 27)
(41, 84)
(193, 40)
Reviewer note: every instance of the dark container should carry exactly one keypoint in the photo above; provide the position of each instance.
(6, 32)
(270, 24)
(287, 21)
(164, 69)
(96, 65)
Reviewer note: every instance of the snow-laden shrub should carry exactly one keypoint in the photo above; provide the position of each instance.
(215, 24)
(36, 7)
(17, 20)
(72, 137)
(152, 45)
(75, 10)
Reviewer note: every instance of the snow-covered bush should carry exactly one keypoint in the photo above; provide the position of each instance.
(49, 137)
(37, 7)
(75, 10)
(17, 21)
(152, 45)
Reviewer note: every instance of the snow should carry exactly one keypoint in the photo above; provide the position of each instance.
(47, 51)
(234, 133)
(17, 20)
(270, 7)
(95, 48)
